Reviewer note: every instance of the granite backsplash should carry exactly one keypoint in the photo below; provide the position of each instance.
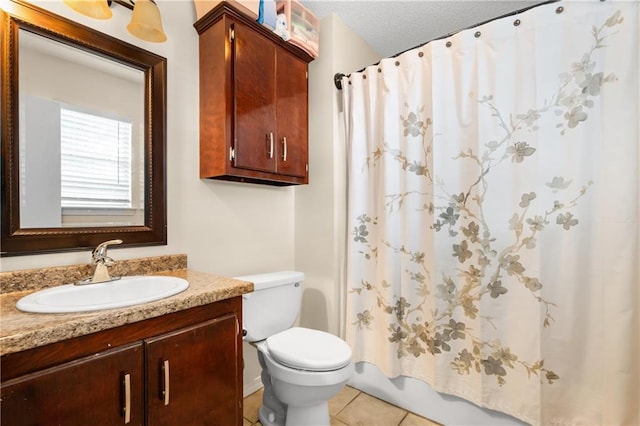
(35, 279)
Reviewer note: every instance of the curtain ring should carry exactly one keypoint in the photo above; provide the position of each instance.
(379, 70)
(516, 22)
(364, 76)
(448, 44)
(397, 63)
(420, 54)
(477, 34)
(560, 10)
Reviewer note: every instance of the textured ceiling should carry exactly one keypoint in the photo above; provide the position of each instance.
(392, 26)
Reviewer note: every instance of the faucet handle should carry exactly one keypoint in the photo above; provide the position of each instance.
(99, 254)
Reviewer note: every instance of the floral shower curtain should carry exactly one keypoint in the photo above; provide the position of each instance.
(493, 208)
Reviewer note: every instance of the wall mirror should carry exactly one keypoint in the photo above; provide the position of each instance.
(83, 136)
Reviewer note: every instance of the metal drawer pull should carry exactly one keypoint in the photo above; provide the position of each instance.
(270, 137)
(165, 385)
(127, 398)
(284, 152)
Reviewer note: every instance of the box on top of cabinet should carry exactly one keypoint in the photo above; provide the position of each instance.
(303, 26)
(250, 8)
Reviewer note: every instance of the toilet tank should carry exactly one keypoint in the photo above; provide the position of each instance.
(274, 304)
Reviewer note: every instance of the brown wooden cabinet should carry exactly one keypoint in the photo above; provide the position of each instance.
(253, 102)
(178, 369)
(100, 389)
(180, 394)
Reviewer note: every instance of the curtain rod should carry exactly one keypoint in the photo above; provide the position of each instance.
(337, 77)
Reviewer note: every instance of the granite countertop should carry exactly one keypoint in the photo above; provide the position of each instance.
(20, 330)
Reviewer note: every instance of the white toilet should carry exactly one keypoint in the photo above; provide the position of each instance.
(301, 368)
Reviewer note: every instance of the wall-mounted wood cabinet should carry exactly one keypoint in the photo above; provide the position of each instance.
(179, 369)
(253, 102)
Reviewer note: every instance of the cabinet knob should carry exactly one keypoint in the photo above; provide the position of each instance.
(126, 410)
(284, 150)
(270, 140)
(165, 383)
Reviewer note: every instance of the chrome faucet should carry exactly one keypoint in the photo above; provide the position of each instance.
(101, 263)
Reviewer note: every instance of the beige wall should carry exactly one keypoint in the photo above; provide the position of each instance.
(230, 228)
(320, 206)
(224, 228)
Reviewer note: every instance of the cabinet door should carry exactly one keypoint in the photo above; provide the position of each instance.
(292, 115)
(253, 67)
(103, 389)
(193, 375)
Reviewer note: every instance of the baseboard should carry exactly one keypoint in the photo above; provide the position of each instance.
(251, 387)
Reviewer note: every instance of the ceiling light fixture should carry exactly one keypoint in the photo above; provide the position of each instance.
(146, 23)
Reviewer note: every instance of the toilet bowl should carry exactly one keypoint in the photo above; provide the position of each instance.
(303, 379)
(301, 368)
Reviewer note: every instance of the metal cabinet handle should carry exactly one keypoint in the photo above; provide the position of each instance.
(270, 138)
(127, 398)
(165, 383)
(284, 151)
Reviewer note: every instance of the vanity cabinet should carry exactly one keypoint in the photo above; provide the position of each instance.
(177, 369)
(182, 394)
(94, 390)
(253, 102)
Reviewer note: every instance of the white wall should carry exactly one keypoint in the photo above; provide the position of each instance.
(39, 204)
(224, 228)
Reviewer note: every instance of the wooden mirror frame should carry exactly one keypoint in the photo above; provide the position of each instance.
(16, 15)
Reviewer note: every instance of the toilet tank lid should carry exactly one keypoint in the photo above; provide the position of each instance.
(272, 279)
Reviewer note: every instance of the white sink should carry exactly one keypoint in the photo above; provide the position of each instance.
(126, 291)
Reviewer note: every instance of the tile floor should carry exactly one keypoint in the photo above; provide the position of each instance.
(350, 407)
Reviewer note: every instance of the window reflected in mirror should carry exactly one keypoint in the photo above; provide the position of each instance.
(81, 138)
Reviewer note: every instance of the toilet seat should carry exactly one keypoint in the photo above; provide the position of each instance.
(307, 349)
